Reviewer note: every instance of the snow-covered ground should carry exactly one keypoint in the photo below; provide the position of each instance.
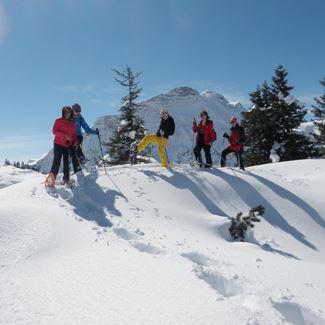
(145, 245)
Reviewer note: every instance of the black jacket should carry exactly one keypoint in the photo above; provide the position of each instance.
(168, 126)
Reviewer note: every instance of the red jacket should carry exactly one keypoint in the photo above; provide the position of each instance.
(237, 138)
(63, 128)
(209, 135)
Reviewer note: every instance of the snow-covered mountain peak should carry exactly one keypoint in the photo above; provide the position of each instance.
(215, 96)
(183, 91)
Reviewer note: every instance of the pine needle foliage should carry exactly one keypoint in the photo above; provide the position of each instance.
(240, 224)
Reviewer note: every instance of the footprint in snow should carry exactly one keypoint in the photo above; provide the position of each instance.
(297, 314)
(223, 286)
(125, 234)
(146, 248)
(198, 258)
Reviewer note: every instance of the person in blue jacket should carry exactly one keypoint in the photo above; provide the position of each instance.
(78, 157)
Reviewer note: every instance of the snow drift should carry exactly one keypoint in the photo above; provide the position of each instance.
(145, 245)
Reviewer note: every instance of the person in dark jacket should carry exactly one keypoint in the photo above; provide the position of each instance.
(166, 129)
(236, 143)
(77, 156)
(65, 137)
(205, 136)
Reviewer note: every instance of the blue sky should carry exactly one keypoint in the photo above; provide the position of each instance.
(57, 52)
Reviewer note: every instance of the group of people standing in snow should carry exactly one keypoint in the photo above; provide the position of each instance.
(205, 136)
(68, 139)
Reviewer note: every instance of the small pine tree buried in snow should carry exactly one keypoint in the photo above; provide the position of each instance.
(131, 126)
(240, 224)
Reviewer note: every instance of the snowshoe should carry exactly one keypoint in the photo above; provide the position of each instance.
(50, 181)
(68, 183)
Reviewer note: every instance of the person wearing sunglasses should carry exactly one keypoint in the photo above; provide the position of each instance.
(236, 141)
(166, 129)
(205, 136)
(77, 155)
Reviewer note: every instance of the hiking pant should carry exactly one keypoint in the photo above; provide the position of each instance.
(59, 152)
(238, 156)
(197, 153)
(160, 141)
(77, 155)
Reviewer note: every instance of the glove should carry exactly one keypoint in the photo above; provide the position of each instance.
(97, 131)
(161, 132)
(225, 135)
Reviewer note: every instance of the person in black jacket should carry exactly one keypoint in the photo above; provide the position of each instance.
(166, 128)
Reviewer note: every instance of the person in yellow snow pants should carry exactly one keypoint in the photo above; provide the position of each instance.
(160, 141)
(166, 129)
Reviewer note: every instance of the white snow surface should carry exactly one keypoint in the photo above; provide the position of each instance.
(183, 103)
(147, 245)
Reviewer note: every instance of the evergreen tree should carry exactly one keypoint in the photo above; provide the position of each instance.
(257, 125)
(288, 114)
(131, 126)
(7, 162)
(270, 124)
(319, 112)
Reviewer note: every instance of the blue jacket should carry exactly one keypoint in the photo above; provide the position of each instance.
(80, 122)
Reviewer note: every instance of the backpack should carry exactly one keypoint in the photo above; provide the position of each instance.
(213, 132)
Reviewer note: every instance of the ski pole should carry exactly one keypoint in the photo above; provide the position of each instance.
(101, 149)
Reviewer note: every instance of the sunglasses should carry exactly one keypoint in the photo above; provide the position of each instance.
(233, 122)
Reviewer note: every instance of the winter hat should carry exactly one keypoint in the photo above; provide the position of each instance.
(76, 107)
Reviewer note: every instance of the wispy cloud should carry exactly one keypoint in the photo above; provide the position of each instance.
(4, 28)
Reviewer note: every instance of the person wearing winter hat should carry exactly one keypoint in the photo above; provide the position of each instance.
(77, 154)
(236, 143)
(65, 137)
(166, 129)
(206, 135)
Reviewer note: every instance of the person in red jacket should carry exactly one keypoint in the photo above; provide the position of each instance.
(65, 137)
(204, 139)
(236, 143)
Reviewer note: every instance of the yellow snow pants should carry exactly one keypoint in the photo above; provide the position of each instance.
(160, 141)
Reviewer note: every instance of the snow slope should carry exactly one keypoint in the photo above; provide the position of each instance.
(183, 104)
(145, 245)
